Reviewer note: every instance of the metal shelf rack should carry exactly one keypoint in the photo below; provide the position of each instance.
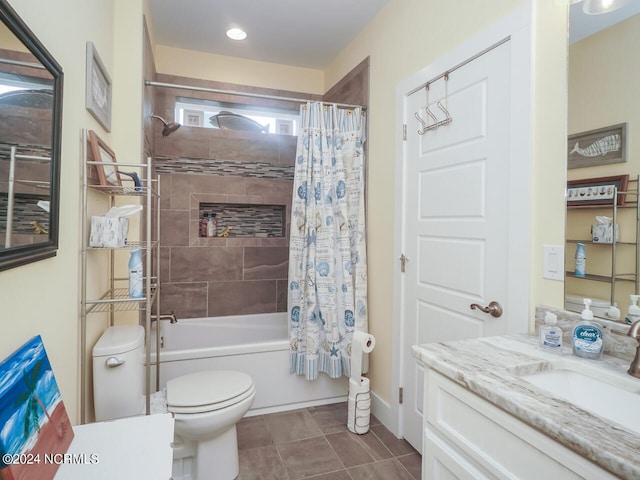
(116, 298)
(632, 197)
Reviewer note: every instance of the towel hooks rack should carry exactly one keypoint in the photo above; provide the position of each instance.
(443, 108)
(425, 125)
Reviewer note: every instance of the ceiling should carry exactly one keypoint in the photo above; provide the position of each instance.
(582, 25)
(301, 33)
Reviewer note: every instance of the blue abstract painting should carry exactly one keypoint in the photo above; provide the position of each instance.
(34, 425)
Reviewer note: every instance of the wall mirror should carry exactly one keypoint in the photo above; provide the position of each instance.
(30, 129)
(604, 94)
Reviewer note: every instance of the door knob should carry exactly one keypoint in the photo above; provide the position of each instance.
(494, 308)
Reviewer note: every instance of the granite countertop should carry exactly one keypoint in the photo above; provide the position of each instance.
(489, 367)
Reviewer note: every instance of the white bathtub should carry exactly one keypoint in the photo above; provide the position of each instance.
(255, 344)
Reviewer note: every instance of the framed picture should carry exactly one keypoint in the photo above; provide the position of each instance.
(98, 88)
(193, 118)
(108, 174)
(597, 191)
(598, 147)
(33, 416)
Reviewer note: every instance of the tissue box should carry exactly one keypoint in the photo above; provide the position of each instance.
(603, 233)
(108, 232)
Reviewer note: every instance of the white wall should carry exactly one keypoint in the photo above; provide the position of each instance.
(192, 64)
(43, 297)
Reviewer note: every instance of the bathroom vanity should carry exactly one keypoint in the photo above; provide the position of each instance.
(500, 407)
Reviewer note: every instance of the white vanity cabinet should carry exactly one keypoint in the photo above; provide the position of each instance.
(467, 437)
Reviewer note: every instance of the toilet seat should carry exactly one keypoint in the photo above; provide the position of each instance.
(207, 391)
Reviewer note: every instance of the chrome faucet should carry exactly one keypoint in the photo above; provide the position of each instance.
(634, 332)
(166, 316)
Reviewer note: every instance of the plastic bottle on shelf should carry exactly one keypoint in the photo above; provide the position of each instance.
(212, 225)
(634, 310)
(135, 274)
(203, 225)
(613, 312)
(581, 260)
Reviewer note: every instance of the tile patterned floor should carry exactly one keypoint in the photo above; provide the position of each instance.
(314, 443)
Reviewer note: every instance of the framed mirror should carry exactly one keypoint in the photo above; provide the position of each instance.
(603, 121)
(30, 133)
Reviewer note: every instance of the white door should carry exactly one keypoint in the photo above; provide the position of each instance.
(456, 216)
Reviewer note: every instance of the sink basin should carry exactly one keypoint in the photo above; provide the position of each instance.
(612, 395)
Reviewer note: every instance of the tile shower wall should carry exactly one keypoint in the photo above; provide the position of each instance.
(203, 277)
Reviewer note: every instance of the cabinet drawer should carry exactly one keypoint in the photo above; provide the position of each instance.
(446, 463)
(495, 441)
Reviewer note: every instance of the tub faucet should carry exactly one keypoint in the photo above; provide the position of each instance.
(634, 332)
(165, 316)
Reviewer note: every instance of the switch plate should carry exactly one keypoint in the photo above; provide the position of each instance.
(553, 262)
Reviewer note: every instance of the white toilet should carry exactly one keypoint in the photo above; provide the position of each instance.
(206, 405)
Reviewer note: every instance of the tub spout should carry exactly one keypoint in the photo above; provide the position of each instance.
(166, 316)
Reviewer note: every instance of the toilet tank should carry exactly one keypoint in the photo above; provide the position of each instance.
(118, 373)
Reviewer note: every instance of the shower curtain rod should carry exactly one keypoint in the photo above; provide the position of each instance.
(245, 94)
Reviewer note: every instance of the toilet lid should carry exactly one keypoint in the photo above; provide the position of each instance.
(208, 390)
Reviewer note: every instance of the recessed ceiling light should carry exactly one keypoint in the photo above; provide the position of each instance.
(596, 7)
(236, 34)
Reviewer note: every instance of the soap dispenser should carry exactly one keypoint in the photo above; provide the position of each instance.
(551, 334)
(634, 310)
(587, 338)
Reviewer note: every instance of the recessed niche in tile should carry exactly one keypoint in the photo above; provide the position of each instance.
(247, 220)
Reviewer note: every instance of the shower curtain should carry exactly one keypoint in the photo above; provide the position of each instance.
(327, 297)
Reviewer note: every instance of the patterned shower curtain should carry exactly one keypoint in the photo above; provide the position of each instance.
(327, 255)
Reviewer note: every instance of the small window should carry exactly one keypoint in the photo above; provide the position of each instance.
(211, 114)
(14, 83)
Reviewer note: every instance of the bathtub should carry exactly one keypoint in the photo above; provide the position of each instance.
(255, 344)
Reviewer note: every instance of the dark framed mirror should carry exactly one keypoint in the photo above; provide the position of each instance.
(30, 135)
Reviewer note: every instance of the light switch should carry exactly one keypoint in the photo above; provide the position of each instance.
(553, 262)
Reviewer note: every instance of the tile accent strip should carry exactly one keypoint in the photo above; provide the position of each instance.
(211, 166)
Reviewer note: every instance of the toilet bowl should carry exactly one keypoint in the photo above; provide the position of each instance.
(206, 405)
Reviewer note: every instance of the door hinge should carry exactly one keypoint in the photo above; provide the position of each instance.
(400, 395)
(404, 131)
(403, 262)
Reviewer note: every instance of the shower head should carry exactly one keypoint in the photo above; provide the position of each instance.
(169, 128)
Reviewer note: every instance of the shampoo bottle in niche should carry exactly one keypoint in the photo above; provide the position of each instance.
(581, 260)
(135, 274)
(551, 334)
(203, 225)
(212, 225)
(587, 335)
(634, 310)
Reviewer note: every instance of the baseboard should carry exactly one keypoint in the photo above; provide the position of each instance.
(295, 406)
(383, 412)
